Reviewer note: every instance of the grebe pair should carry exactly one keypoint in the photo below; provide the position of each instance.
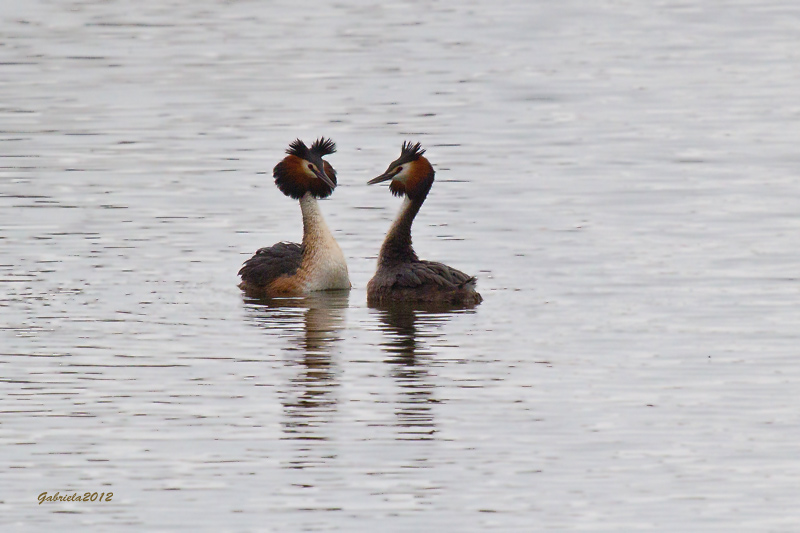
(287, 269)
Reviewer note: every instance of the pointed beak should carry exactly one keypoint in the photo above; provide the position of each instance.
(386, 176)
(324, 177)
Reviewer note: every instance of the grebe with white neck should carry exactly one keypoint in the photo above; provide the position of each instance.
(291, 269)
(401, 276)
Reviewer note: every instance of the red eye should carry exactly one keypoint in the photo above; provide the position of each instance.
(399, 169)
(311, 166)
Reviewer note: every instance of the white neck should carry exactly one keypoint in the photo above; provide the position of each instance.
(401, 213)
(396, 246)
(323, 264)
(314, 227)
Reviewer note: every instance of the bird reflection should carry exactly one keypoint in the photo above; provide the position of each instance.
(314, 323)
(407, 328)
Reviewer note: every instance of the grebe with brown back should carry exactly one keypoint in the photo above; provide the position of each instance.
(291, 269)
(401, 276)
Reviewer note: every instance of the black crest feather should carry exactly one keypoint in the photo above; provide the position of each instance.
(298, 148)
(409, 152)
(323, 147)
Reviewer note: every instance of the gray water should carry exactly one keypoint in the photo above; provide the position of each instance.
(622, 177)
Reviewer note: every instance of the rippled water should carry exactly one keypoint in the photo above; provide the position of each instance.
(622, 178)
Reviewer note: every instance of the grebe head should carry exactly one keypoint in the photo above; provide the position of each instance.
(304, 170)
(411, 173)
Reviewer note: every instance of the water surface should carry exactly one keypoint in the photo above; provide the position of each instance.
(622, 179)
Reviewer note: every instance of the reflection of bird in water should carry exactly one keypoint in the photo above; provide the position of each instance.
(401, 275)
(405, 327)
(317, 264)
(308, 398)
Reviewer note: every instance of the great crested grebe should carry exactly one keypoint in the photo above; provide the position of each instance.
(401, 275)
(317, 264)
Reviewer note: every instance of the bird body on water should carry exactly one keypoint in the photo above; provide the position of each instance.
(290, 269)
(402, 277)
